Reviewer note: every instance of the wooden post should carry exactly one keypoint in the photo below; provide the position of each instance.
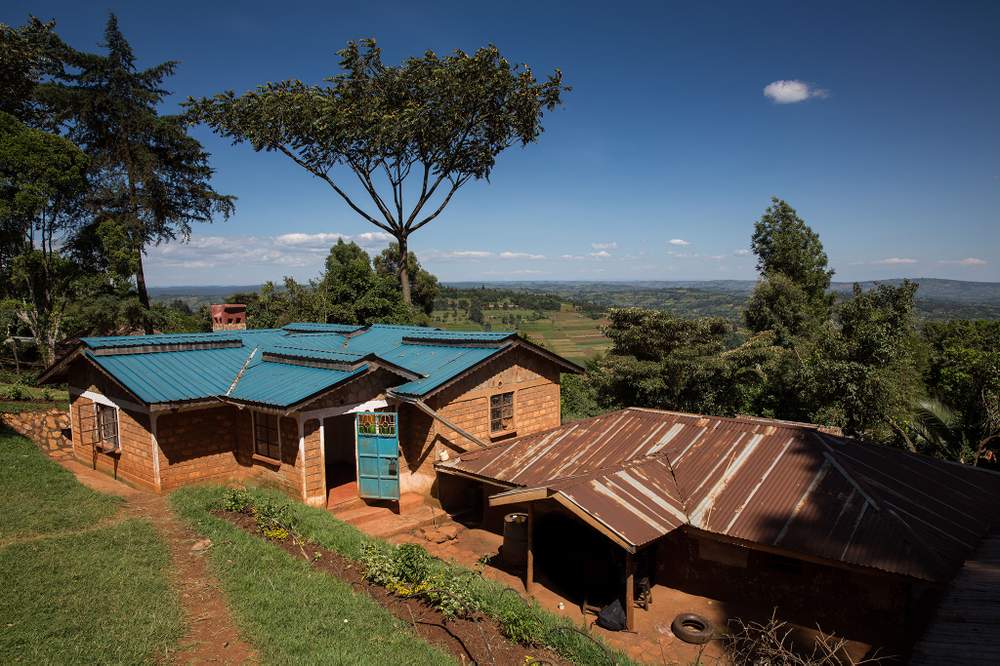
(529, 574)
(629, 591)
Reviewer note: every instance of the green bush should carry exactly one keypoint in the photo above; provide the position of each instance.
(237, 500)
(412, 563)
(17, 392)
(521, 626)
(407, 571)
(272, 515)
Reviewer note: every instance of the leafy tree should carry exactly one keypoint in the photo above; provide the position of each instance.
(42, 185)
(658, 360)
(423, 285)
(28, 55)
(443, 120)
(862, 375)
(792, 295)
(151, 178)
(963, 373)
(356, 293)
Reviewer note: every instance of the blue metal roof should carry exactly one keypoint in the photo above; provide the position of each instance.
(172, 375)
(175, 376)
(284, 384)
(449, 369)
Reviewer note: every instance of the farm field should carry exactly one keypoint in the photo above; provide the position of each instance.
(566, 331)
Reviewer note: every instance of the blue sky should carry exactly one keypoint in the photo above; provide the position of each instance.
(664, 154)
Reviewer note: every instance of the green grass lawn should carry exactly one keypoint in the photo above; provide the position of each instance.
(289, 611)
(252, 571)
(98, 597)
(74, 593)
(37, 496)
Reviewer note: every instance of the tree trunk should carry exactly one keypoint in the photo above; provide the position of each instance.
(404, 275)
(140, 287)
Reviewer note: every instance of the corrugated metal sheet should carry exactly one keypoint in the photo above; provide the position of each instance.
(175, 376)
(282, 384)
(644, 473)
(161, 375)
(142, 340)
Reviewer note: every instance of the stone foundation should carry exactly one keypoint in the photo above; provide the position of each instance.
(47, 429)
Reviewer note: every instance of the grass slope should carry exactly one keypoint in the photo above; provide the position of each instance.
(291, 612)
(252, 598)
(74, 593)
(98, 597)
(37, 496)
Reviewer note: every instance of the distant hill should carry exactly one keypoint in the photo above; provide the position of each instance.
(936, 298)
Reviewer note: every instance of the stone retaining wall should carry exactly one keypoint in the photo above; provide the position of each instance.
(44, 428)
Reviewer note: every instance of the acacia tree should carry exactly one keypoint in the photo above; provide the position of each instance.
(424, 286)
(149, 176)
(440, 120)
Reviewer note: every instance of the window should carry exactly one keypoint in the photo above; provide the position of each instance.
(502, 412)
(107, 426)
(265, 436)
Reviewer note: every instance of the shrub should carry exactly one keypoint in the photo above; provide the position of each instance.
(237, 500)
(521, 626)
(406, 571)
(412, 563)
(452, 595)
(273, 515)
(17, 392)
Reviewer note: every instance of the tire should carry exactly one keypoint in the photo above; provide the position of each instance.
(692, 628)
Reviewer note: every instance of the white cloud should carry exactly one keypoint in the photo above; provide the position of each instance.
(456, 254)
(679, 241)
(600, 254)
(575, 257)
(291, 250)
(968, 261)
(791, 91)
(520, 255)
(895, 261)
(741, 252)
(604, 246)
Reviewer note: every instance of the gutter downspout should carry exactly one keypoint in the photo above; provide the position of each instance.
(422, 406)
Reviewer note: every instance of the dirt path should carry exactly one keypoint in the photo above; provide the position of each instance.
(212, 637)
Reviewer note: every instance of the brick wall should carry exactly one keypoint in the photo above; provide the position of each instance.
(315, 474)
(285, 474)
(135, 463)
(466, 403)
(44, 428)
(199, 445)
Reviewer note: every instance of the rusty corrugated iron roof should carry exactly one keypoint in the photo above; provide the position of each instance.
(787, 486)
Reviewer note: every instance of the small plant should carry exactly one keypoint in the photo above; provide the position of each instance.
(275, 534)
(521, 626)
(452, 595)
(272, 515)
(237, 500)
(17, 392)
(412, 563)
(47, 395)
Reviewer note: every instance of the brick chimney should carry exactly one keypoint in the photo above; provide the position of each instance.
(229, 317)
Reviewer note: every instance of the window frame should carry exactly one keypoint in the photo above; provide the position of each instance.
(269, 446)
(108, 443)
(511, 418)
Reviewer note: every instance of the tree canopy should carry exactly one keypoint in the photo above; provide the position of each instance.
(150, 177)
(412, 135)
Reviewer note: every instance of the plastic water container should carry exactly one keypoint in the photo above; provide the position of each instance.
(515, 540)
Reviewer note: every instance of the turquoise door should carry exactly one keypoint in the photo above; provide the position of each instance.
(378, 455)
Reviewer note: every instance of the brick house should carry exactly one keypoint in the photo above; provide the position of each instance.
(325, 412)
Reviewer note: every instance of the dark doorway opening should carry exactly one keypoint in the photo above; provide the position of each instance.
(340, 451)
(580, 564)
